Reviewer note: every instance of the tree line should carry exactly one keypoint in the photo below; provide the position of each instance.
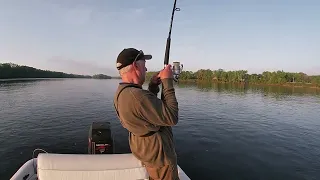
(242, 76)
(13, 71)
(101, 76)
(10, 70)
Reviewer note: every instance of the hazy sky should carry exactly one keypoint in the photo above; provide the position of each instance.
(85, 36)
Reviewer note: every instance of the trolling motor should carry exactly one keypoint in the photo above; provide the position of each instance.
(100, 139)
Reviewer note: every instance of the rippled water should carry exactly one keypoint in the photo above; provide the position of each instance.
(225, 132)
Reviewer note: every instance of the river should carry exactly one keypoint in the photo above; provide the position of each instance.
(225, 131)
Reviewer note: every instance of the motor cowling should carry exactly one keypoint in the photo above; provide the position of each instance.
(100, 138)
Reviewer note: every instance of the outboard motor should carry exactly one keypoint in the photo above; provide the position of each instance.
(100, 138)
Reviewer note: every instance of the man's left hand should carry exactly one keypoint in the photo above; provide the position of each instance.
(154, 83)
(155, 80)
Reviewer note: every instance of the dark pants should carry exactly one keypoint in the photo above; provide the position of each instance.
(168, 172)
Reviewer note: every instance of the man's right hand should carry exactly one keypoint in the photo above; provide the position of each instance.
(166, 73)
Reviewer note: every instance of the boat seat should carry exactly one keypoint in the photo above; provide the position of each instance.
(90, 166)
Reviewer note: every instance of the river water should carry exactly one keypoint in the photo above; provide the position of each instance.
(224, 132)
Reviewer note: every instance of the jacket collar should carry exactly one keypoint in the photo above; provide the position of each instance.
(130, 84)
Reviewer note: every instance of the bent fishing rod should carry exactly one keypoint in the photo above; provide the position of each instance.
(176, 65)
(167, 52)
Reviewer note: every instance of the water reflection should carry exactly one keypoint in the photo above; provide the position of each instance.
(14, 84)
(232, 88)
(28, 80)
(266, 90)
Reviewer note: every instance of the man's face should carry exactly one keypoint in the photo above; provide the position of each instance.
(142, 70)
(141, 66)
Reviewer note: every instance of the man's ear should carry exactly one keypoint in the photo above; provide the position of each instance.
(135, 65)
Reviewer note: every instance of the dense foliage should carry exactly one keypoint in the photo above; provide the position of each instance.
(101, 76)
(9, 71)
(242, 76)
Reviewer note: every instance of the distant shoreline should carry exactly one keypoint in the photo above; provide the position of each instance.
(26, 79)
(13, 71)
(288, 84)
(266, 78)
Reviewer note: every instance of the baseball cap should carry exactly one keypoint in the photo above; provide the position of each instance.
(128, 55)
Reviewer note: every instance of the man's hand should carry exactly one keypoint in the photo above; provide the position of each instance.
(166, 73)
(155, 80)
(154, 84)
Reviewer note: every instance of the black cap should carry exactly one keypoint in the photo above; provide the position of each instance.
(129, 55)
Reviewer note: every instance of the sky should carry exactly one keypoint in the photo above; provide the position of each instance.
(86, 36)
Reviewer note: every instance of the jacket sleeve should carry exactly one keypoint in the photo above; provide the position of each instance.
(153, 88)
(160, 112)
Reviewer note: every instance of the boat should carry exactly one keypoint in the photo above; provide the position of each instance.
(101, 162)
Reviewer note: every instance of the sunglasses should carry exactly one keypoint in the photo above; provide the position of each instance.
(141, 52)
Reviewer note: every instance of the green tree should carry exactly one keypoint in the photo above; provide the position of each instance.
(10, 70)
(266, 77)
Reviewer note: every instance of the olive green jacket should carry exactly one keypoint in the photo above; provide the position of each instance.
(142, 113)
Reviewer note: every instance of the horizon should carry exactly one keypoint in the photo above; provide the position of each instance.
(85, 37)
(225, 70)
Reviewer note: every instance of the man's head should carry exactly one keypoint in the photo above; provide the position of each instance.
(131, 65)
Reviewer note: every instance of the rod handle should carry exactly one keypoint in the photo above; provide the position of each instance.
(167, 53)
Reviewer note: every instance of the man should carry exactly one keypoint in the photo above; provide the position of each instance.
(148, 118)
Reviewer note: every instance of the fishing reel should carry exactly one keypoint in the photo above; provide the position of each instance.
(177, 69)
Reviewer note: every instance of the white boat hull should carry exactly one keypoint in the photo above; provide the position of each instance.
(27, 171)
(85, 166)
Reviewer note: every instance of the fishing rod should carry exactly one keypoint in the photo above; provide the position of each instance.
(176, 65)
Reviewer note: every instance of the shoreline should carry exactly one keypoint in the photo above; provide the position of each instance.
(291, 85)
(51, 78)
